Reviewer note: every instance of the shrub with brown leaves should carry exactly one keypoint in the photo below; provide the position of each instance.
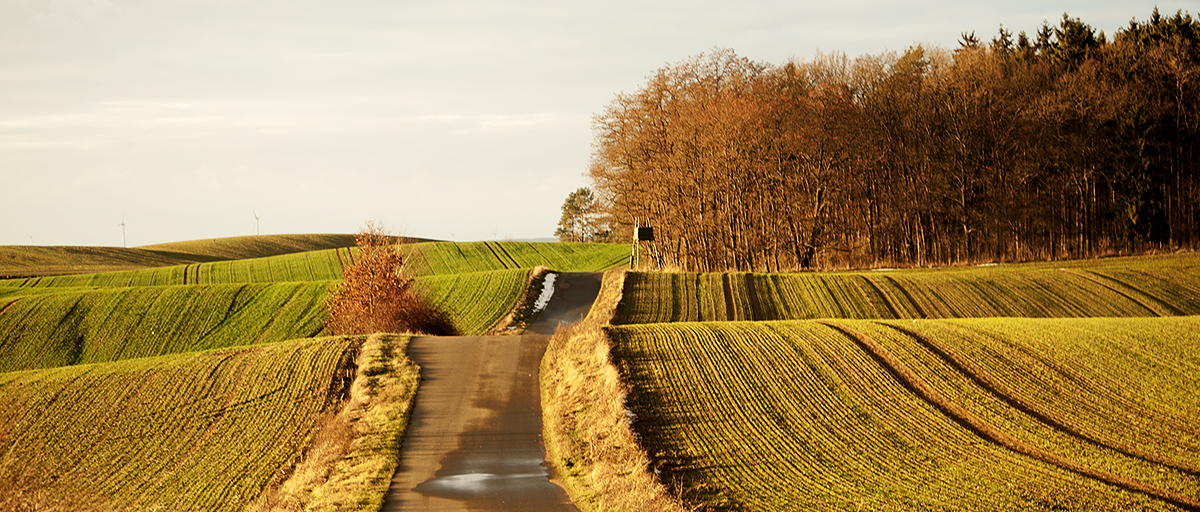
(378, 295)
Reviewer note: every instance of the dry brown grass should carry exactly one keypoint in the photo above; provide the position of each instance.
(587, 431)
(353, 454)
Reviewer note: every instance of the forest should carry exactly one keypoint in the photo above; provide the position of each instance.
(1066, 143)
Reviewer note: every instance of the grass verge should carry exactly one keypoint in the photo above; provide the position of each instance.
(354, 453)
(585, 423)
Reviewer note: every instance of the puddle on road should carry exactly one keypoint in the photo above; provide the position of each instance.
(500, 463)
(496, 482)
(467, 486)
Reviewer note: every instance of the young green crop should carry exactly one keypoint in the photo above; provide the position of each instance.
(1128, 287)
(476, 301)
(79, 325)
(109, 324)
(1117, 394)
(204, 431)
(455, 258)
(801, 415)
(431, 258)
(324, 265)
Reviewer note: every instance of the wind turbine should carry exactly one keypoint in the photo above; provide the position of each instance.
(123, 244)
(256, 217)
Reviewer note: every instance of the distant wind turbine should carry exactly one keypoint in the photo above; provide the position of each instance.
(256, 217)
(123, 243)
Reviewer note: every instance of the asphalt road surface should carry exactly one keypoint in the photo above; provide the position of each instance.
(475, 438)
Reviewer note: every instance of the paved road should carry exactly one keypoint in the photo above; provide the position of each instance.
(475, 438)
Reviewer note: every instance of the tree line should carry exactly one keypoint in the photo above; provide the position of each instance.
(1062, 144)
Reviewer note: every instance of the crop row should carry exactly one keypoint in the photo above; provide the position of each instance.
(108, 324)
(1130, 288)
(797, 415)
(202, 431)
(1115, 394)
(476, 301)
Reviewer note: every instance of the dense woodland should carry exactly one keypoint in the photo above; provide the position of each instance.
(1063, 144)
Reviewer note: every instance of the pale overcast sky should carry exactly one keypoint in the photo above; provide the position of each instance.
(462, 120)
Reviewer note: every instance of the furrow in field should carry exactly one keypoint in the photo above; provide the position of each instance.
(1170, 309)
(972, 422)
(907, 296)
(1114, 289)
(1014, 400)
(878, 298)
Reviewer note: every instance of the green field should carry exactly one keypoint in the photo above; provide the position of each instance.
(455, 258)
(41, 329)
(205, 431)
(107, 404)
(91, 318)
(1000, 414)
(475, 301)
(323, 265)
(1148, 286)
(109, 324)
(1045, 386)
(430, 258)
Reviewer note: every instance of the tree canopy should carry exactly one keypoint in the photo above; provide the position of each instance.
(1068, 143)
(582, 219)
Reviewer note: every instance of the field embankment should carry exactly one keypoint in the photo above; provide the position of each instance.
(587, 434)
(1054, 414)
(1118, 287)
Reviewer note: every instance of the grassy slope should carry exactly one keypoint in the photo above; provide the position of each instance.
(788, 415)
(209, 430)
(109, 324)
(1147, 286)
(322, 265)
(76, 325)
(53, 321)
(476, 301)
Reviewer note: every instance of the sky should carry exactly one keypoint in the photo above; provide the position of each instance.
(453, 120)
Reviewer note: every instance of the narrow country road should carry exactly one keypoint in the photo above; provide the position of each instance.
(475, 438)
